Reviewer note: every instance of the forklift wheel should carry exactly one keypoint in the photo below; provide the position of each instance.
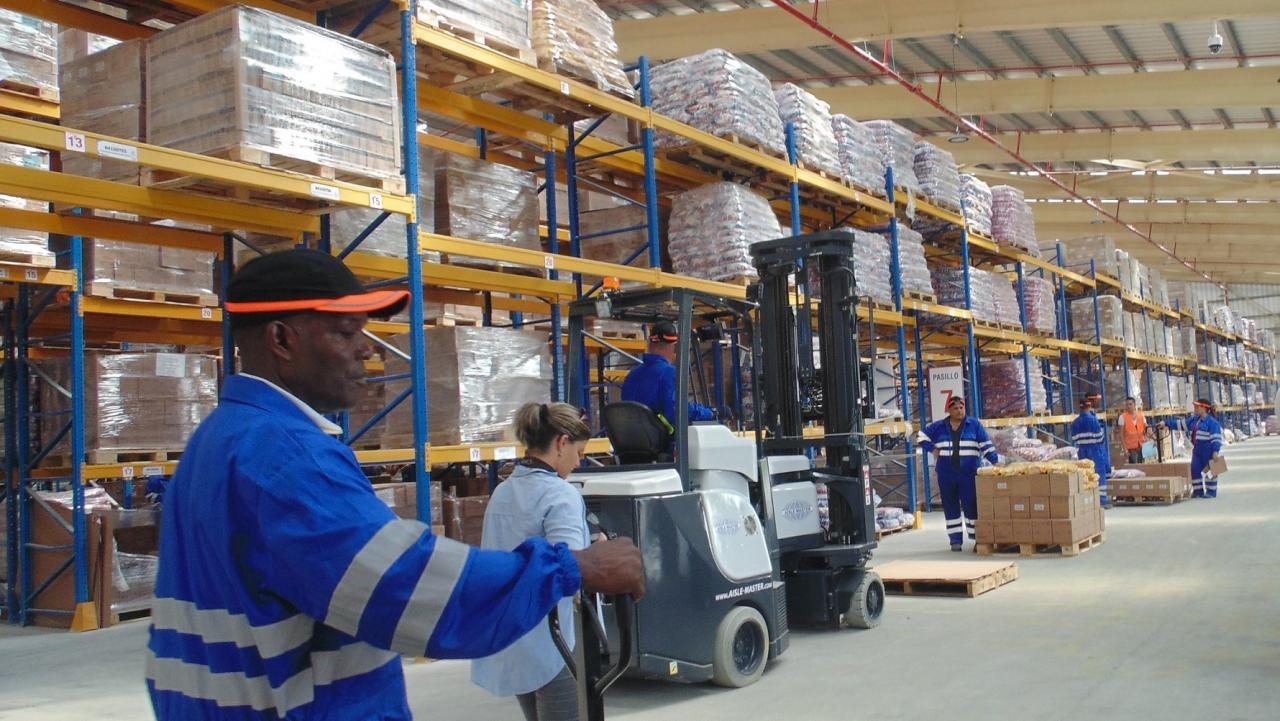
(867, 603)
(742, 648)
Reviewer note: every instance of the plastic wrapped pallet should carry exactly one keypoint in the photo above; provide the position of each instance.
(29, 54)
(19, 243)
(1012, 220)
(938, 174)
(487, 202)
(860, 159)
(1114, 383)
(898, 150)
(1223, 317)
(948, 285)
(75, 44)
(507, 21)
(478, 378)
(712, 228)
(1039, 305)
(1160, 396)
(915, 271)
(1110, 316)
(977, 203)
(133, 401)
(114, 266)
(1004, 298)
(105, 93)
(810, 120)
(1095, 251)
(388, 239)
(575, 38)
(719, 94)
(1005, 389)
(263, 87)
(871, 255)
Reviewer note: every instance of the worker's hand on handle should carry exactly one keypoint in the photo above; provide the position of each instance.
(612, 567)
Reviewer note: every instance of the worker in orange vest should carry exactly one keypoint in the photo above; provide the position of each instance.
(1134, 430)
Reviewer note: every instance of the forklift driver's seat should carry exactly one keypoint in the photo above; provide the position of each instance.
(636, 433)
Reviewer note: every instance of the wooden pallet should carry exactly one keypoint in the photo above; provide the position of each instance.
(964, 579)
(620, 335)
(35, 91)
(1032, 549)
(96, 457)
(1144, 500)
(892, 531)
(32, 259)
(718, 162)
(929, 298)
(107, 289)
(454, 322)
(473, 35)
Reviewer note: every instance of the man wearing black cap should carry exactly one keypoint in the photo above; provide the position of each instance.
(286, 587)
(653, 382)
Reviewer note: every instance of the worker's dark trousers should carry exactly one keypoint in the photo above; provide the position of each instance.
(1203, 483)
(959, 494)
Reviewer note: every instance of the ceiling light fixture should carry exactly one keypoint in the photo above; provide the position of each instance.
(959, 135)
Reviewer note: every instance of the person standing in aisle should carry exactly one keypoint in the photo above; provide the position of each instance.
(1206, 437)
(1091, 443)
(958, 444)
(653, 382)
(286, 587)
(1134, 430)
(536, 501)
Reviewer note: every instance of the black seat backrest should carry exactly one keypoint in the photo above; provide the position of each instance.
(636, 433)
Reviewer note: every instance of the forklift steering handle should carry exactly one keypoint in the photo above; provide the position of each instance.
(624, 609)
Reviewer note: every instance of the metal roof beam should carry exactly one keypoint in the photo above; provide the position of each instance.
(1224, 118)
(1265, 214)
(1117, 39)
(1171, 34)
(1071, 50)
(1229, 28)
(1182, 185)
(1240, 145)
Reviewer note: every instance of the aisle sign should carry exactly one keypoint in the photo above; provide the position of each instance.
(945, 383)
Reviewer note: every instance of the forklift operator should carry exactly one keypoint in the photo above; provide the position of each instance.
(653, 383)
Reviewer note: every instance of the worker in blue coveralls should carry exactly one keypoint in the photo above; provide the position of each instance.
(286, 587)
(653, 382)
(958, 443)
(1090, 439)
(1206, 437)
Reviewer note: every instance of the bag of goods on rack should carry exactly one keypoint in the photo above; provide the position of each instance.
(1012, 220)
(871, 255)
(1159, 289)
(133, 401)
(1120, 383)
(29, 54)
(105, 93)
(976, 195)
(504, 21)
(22, 244)
(575, 38)
(1110, 316)
(488, 202)
(713, 226)
(860, 160)
(719, 94)
(1004, 296)
(938, 174)
(1224, 317)
(1039, 305)
(388, 237)
(477, 380)
(259, 87)
(810, 119)
(948, 285)
(1005, 389)
(1095, 252)
(915, 271)
(890, 518)
(898, 151)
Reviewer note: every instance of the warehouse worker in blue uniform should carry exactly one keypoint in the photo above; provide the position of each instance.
(653, 382)
(1090, 439)
(1206, 437)
(958, 443)
(286, 587)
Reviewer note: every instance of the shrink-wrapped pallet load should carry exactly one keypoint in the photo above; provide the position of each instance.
(810, 119)
(713, 227)
(938, 174)
(861, 162)
(23, 244)
(1012, 220)
(1110, 315)
(911, 260)
(1006, 385)
(977, 203)
(1039, 305)
(487, 202)
(575, 38)
(29, 55)
(898, 150)
(105, 93)
(719, 94)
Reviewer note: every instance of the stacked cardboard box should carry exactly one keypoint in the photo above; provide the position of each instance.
(23, 243)
(487, 202)
(403, 499)
(575, 38)
(1163, 482)
(106, 93)
(464, 518)
(29, 53)
(1043, 509)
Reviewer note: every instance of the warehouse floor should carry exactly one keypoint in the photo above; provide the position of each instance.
(1175, 617)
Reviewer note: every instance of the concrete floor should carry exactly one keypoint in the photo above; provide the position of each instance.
(1174, 617)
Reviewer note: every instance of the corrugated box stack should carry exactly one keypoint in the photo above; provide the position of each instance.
(75, 44)
(1005, 389)
(1012, 220)
(860, 158)
(29, 54)
(575, 38)
(1054, 503)
(1110, 314)
(717, 93)
(505, 21)
(712, 228)
(20, 243)
(1161, 395)
(114, 268)
(133, 401)
(1150, 483)
(911, 261)
(1039, 305)
(478, 378)
(388, 239)
(464, 518)
(977, 203)
(810, 119)
(938, 175)
(898, 150)
(106, 93)
(275, 91)
(488, 202)
(403, 499)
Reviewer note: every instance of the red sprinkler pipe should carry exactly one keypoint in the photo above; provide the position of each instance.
(962, 121)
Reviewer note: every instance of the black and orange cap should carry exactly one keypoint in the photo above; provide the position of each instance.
(664, 331)
(955, 401)
(302, 279)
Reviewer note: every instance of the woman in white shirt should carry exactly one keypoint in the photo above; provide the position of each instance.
(537, 500)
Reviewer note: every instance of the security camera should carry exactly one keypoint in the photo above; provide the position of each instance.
(1215, 44)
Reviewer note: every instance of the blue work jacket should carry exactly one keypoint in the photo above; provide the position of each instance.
(653, 383)
(974, 445)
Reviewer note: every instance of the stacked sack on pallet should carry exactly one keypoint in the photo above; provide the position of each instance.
(1012, 220)
(938, 175)
(977, 204)
(915, 271)
(719, 94)
(871, 255)
(1110, 316)
(861, 163)
(810, 119)
(1005, 389)
(898, 150)
(21, 241)
(29, 54)
(1013, 444)
(948, 286)
(1004, 297)
(712, 228)
(1038, 305)
(575, 38)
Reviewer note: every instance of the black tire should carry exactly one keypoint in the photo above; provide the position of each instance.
(866, 606)
(742, 648)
